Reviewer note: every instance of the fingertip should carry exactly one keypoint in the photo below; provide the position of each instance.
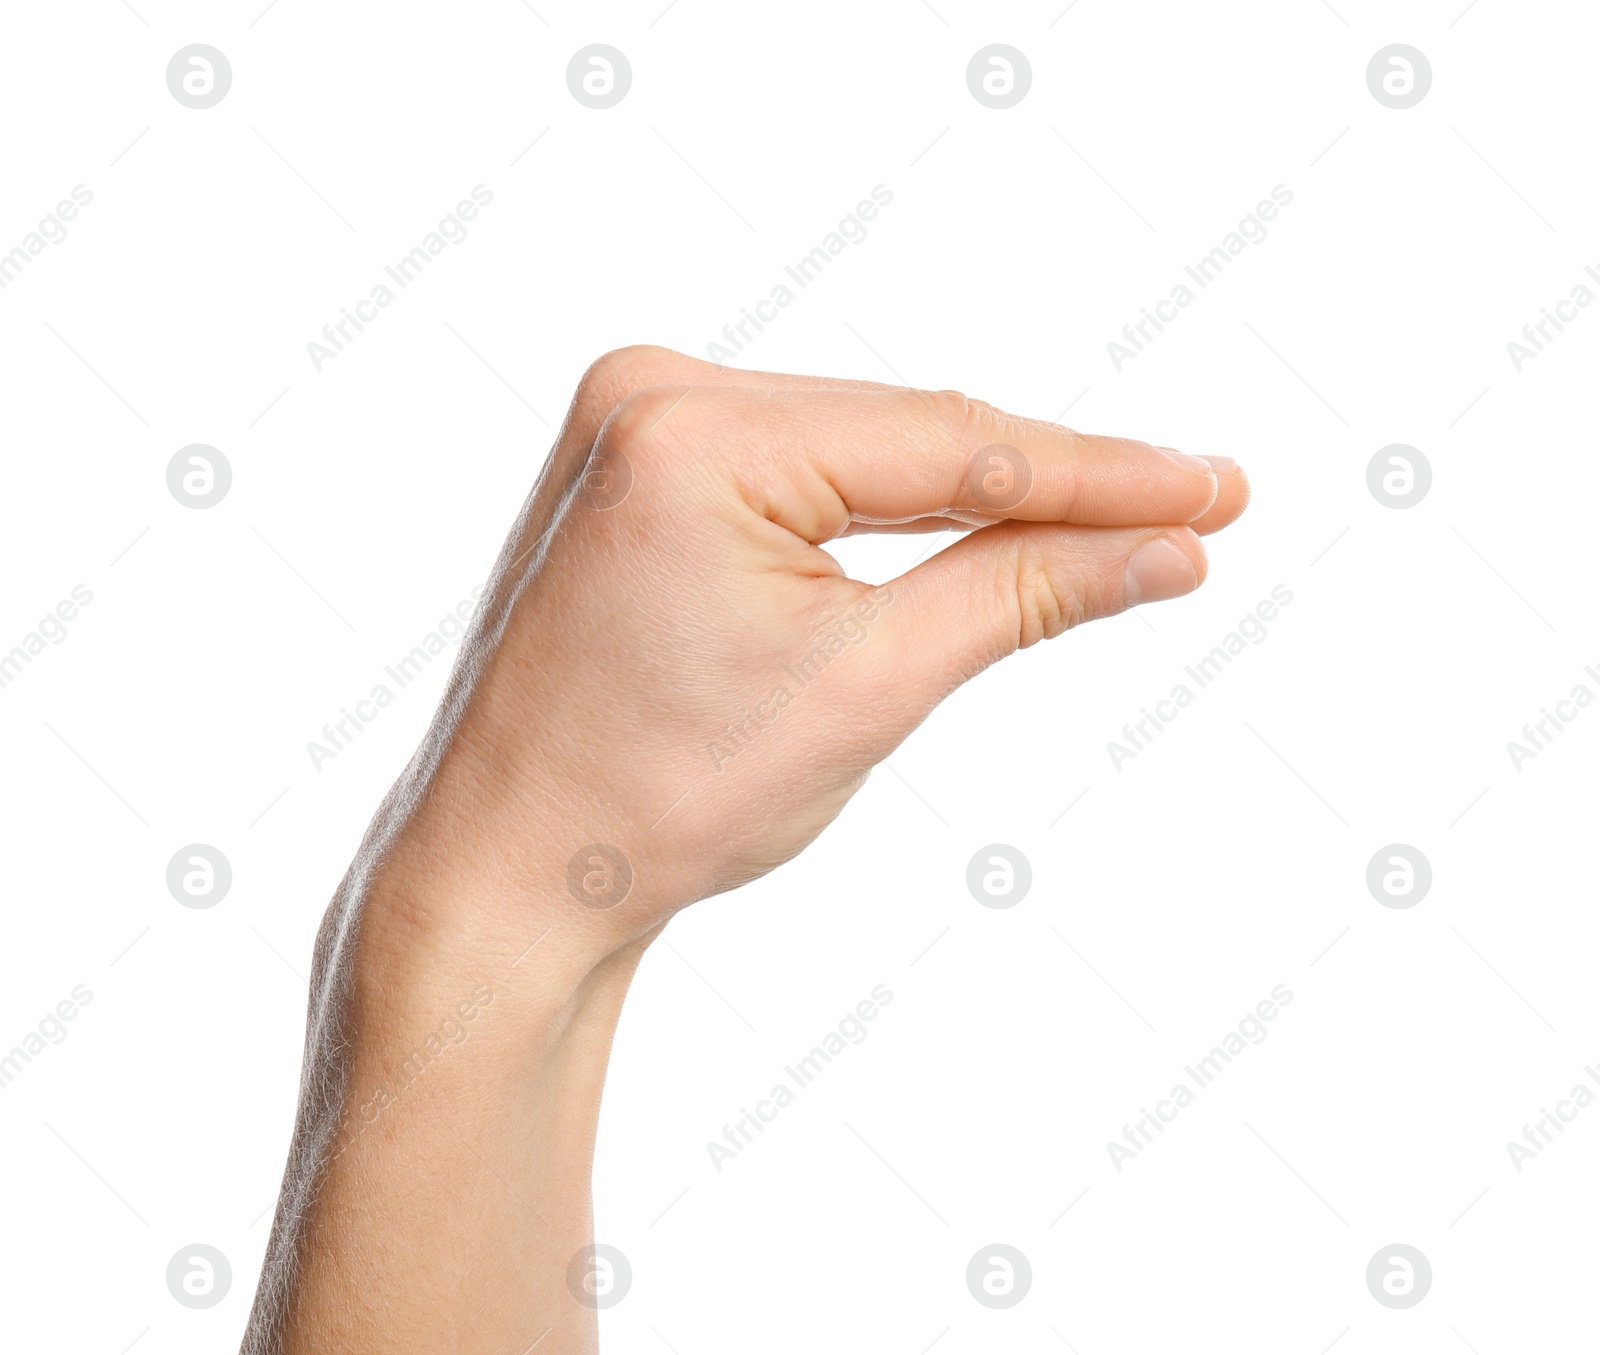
(1162, 567)
(1233, 496)
(1204, 466)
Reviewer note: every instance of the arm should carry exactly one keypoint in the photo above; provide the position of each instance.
(592, 770)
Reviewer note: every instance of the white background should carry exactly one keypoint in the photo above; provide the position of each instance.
(1227, 858)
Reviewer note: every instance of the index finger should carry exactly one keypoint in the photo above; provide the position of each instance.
(815, 460)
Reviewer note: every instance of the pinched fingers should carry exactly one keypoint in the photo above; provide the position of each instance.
(815, 460)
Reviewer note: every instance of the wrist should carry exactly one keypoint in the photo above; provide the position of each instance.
(459, 894)
(472, 942)
(445, 1019)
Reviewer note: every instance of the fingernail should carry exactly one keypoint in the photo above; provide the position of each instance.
(1222, 463)
(1184, 459)
(1156, 571)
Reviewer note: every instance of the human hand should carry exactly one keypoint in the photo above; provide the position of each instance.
(670, 687)
(671, 667)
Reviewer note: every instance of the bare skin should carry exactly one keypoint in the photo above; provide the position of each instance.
(579, 787)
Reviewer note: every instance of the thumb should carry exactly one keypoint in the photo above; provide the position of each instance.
(1005, 587)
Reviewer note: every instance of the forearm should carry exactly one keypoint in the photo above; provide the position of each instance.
(439, 1184)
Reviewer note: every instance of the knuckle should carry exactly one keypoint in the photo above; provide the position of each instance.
(634, 425)
(614, 376)
(967, 422)
(1046, 596)
(634, 365)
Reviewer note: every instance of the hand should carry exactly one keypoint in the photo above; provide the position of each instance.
(670, 688)
(672, 667)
